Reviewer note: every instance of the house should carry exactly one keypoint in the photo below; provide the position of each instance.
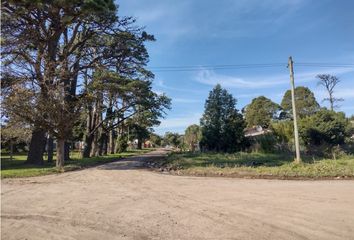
(256, 131)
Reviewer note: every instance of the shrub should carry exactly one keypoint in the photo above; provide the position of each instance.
(122, 144)
(264, 143)
(324, 127)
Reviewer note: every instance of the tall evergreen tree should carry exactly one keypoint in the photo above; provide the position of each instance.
(49, 48)
(222, 124)
(45, 45)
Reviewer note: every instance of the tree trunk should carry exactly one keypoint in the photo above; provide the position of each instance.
(60, 153)
(36, 148)
(192, 146)
(331, 100)
(104, 143)
(111, 142)
(87, 146)
(95, 145)
(11, 150)
(67, 151)
(50, 148)
(140, 143)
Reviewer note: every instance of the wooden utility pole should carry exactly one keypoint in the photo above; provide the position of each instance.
(296, 133)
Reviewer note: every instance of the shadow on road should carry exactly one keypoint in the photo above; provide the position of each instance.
(137, 162)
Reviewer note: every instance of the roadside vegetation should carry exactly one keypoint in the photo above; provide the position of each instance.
(258, 165)
(17, 167)
(260, 142)
(86, 87)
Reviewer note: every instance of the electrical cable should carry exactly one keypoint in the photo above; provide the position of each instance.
(242, 66)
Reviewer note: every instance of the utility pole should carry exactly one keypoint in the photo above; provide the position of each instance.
(296, 133)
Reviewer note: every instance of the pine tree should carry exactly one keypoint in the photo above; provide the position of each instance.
(222, 124)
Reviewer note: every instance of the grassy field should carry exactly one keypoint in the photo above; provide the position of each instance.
(18, 168)
(258, 165)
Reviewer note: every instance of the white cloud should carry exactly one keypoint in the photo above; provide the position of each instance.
(178, 123)
(161, 84)
(210, 77)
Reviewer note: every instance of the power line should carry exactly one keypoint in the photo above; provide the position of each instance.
(207, 68)
(309, 63)
(242, 66)
(220, 65)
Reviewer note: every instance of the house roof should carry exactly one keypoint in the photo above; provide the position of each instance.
(256, 131)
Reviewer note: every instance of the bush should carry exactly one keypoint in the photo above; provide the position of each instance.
(324, 127)
(122, 144)
(284, 134)
(264, 143)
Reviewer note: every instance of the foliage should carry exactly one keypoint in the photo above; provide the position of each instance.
(260, 112)
(192, 136)
(222, 125)
(67, 60)
(259, 165)
(324, 127)
(264, 143)
(122, 144)
(283, 132)
(15, 133)
(172, 139)
(155, 139)
(306, 103)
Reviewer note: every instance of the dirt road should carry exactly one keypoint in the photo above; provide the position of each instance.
(121, 201)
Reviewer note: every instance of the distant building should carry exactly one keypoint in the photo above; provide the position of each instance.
(256, 131)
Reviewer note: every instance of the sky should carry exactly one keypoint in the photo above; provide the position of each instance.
(234, 32)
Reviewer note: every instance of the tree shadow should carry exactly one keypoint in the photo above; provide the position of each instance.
(19, 161)
(134, 162)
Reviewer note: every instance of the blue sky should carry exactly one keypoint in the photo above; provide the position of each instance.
(197, 33)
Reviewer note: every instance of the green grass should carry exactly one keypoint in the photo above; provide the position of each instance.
(259, 165)
(17, 167)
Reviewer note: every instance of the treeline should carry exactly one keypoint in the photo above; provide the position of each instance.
(75, 70)
(266, 126)
(323, 132)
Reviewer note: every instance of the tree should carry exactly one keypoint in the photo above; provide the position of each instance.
(222, 125)
(172, 139)
(44, 48)
(260, 112)
(284, 131)
(155, 139)
(14, 133)
(324, 127)
(329, 82)
(192, 136)
(50, 48)
(122, 99)
(305, 100)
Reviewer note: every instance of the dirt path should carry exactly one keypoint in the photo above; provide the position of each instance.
(121, 201)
